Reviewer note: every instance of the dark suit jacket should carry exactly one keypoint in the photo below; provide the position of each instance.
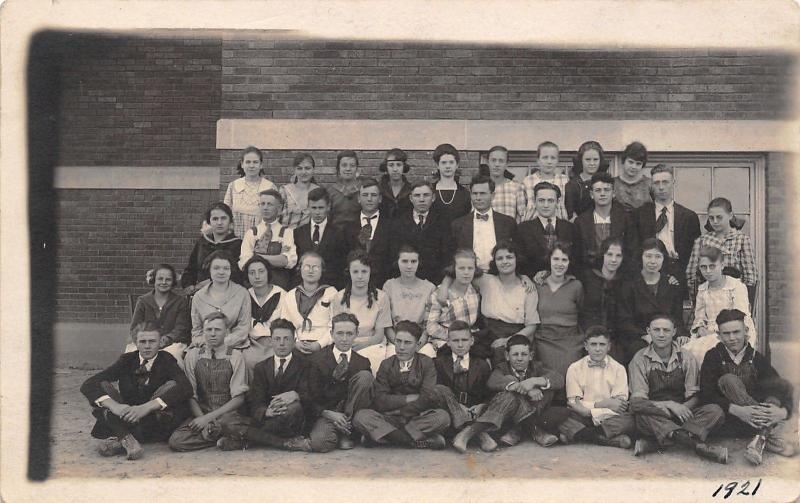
(530, 237)
(331, 247)
(434, 243)
(622, 225)
(505, 228)
(637, 306)
(323, 391)
(264, 386)
(379, 248)
(502, 375)
(392, 386)
(686, 227)
(164, 369)
(477, 377)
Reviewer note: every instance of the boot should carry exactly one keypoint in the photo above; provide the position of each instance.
(511, 438)
(434, 441)
(345, 443)
(132, 447)
(110, 446)
(543, 438)
(297, 444)
(231, 443)
(487, 442)
(621, 441)
(754, 453)
(644, 446)
(463, 437)
(712, 453)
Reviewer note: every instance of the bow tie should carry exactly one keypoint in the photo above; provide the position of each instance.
(600, 364)
(484, 216)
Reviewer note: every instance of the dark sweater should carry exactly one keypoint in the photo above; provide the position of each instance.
(718, 362)
(392, 386)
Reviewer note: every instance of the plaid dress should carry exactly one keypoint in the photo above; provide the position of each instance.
(440, 317)
(509, 199)
(737, 252)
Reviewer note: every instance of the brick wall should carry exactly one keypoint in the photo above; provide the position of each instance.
(373, 80)
(107, 239)
(138, 102)
(781, 268)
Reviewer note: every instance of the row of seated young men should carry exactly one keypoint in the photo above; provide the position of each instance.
(330, 399)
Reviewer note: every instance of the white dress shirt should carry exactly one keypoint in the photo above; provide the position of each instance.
(337, 354)
(287, 358)
(602, 220)
(405, 366)
(483, 239)
(667, 234)
(364, 219)
(464, 361)
(321, 225)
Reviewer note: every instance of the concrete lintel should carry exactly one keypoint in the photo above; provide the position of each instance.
(136, 177)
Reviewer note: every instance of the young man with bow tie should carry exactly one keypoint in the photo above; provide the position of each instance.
(425, 230)
(597, 395)
(339, 384)
(149, 403)
(401, 413)
(275, 398)
(481, 229)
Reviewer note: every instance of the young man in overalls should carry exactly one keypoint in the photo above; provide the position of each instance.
(743, 383)
(664, 399)
(219, 380)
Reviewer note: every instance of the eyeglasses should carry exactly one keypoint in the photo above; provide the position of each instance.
(310, 267)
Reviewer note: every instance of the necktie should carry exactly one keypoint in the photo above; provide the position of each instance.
(315, 236)
(213, 354)
(279, 373)
(421, 221)
(601, 364)
(341, 369)
(365, 235)
(482, 216)
(141, 374)
(550, 233)
(661, 222)
(458, 368)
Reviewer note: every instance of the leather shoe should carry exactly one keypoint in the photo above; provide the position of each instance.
(621, 441)
(231, 444)
(434, 441)
(487, 442)
(644, 446)
(110, 447)
(754, 453)
(713, 453)
(543, 438)
(132, 447)
(511, 438)
(346, 443)
(297, 444)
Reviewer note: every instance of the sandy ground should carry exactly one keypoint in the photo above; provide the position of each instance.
(73, 455)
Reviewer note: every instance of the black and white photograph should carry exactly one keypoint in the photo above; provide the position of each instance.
(404, 251)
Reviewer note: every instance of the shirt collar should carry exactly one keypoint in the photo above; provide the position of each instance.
(487, 212)
(650, 352)
(278, 361)
(544, 220)
(464, 359)
(321, 224)
(149, 362)
(417, 214)
(669, 206)
(337, 354)
(737, 358)
(405, 366)
(375, 216)
(601, 220)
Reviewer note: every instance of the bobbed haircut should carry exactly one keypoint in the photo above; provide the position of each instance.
(504, 244)
(636, 151)
(163, 267)
(218, 255)
(604, 247)
(341, 155)
(395, 154)
(564, 248)
(450, 269)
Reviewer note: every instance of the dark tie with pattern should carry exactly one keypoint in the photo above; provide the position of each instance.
(341, 369)
(601, 364)
(279, 373)
(550, 233)
(365, 235)
(662, 220)
(142, 375)
(420, 222)
(482, 216)
(315, 236)
(213, 354)
(458, 367)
